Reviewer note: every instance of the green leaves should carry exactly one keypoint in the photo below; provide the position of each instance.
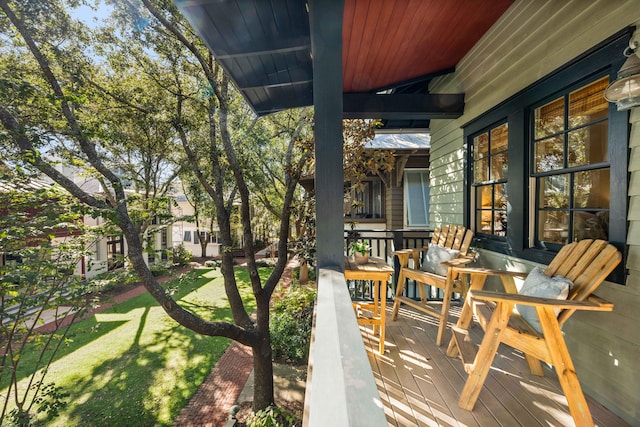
(43, 239)
(290, 325)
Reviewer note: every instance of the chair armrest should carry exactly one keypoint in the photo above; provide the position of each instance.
(592, 303)
(595, 299)
(401, 252)
(404, 254)
(456, 264)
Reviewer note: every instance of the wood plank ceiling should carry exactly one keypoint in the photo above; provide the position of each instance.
(392, 45)
(388, 42)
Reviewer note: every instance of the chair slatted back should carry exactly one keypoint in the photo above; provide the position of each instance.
(453, 237)
(439, 236)
(587, 264)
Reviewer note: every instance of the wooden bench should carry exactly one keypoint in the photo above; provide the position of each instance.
(586, 263)
(454, 237)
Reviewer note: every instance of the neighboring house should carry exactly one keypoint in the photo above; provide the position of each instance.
(395, 200)
(398, 199)
(84, 267)
(186, 232)
(107, 253)
(405, 190)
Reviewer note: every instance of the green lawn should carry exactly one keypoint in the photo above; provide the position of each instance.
(134, 366)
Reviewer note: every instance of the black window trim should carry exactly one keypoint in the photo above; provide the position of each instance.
(469, 169)
(571, 170)
(383, 194)
(604, 59)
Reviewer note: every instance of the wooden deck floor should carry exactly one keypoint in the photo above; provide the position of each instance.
(420, 386)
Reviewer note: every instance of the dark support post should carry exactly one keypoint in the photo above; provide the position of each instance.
(325, 19)
(341, 389)
(398, 243)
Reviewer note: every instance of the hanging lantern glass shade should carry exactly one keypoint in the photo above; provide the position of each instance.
(625, 90)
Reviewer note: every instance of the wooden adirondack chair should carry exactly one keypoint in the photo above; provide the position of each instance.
(452, 237)
(586, 263)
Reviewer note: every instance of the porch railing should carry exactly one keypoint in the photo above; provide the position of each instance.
(341, 390)
(383, 242)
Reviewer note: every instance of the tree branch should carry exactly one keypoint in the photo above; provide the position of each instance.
(120, 99)
(87, 147)
(192, 47)
(27, 150)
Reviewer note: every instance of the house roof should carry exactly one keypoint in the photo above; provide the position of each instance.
(390, 46)
(24, 186)
(404, 141)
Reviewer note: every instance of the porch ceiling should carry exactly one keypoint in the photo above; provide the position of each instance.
(396, 46)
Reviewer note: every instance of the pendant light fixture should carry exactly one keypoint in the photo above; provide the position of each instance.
(625, 90)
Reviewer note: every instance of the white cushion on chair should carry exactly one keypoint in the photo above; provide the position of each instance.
(538, 284)
(436, 255)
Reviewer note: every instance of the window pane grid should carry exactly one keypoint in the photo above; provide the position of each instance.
(571, 166)
(549, 119)
(490, 168)
(587, 104)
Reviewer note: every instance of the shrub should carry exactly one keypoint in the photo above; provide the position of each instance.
(290, 326)
(272, 416)
(160, 269)
(110, 279)
(296, 299)
(259, 244)
(311, 273)
(181, 256)
(266, 262)
(211, 263)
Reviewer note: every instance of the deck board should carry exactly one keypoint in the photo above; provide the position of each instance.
(419, 384)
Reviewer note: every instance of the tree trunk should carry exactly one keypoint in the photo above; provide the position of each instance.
(204, 241)
(304, 272)
(262, 374)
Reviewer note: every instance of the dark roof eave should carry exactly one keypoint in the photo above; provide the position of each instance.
(403, 106)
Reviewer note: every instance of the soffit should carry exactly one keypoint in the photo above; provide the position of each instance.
(392, 45)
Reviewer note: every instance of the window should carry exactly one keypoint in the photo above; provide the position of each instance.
(571, 167)
(164, 243)
(115, 252)
(416, 191)
(187, 236)
(552, 163)
(490, 164)
(366, 202)
(164, 238)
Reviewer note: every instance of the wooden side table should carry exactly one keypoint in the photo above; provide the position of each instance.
(378, 271)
